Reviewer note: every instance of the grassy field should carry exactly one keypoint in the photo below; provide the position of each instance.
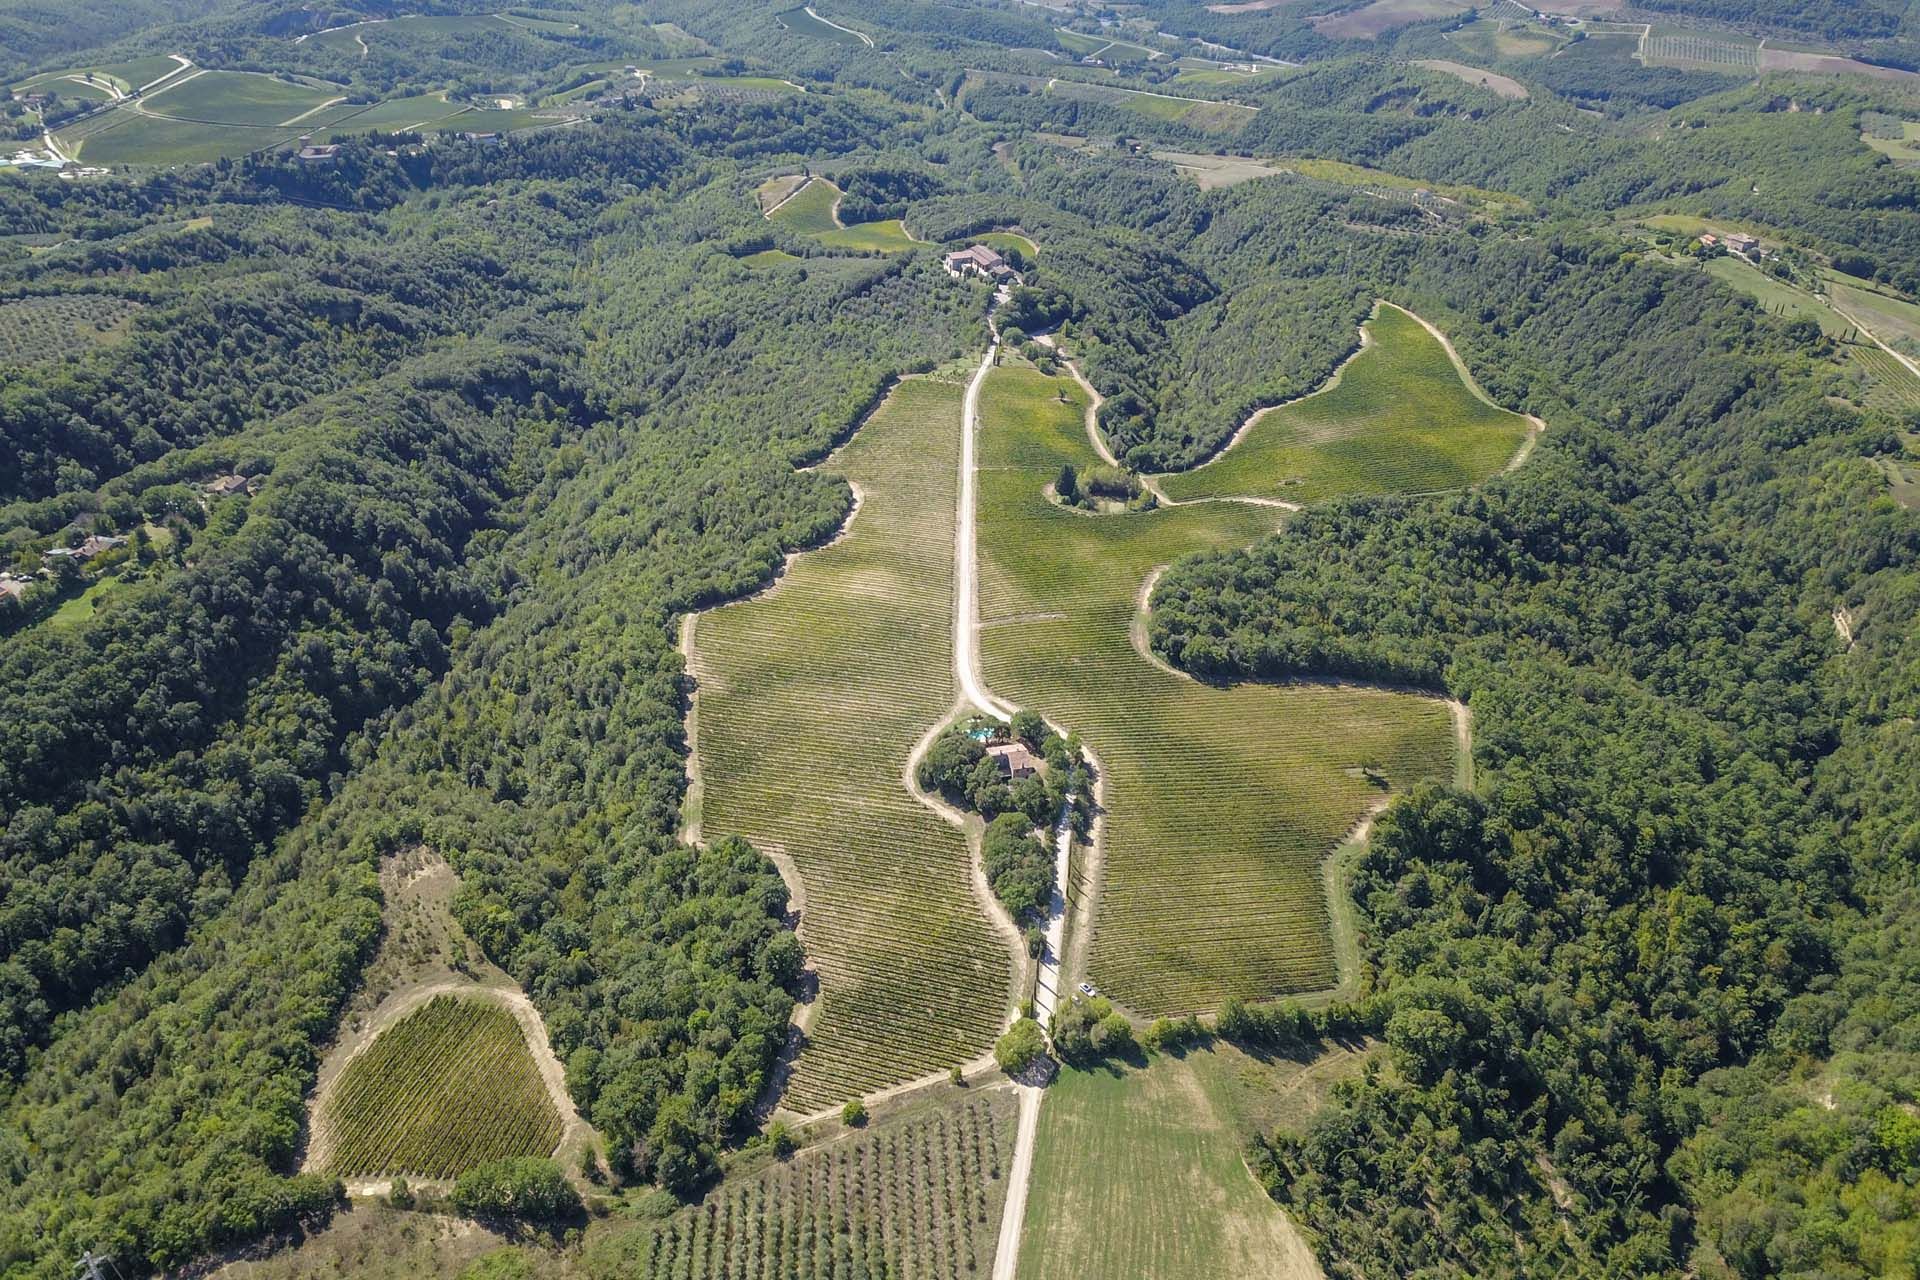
(1397, 420)
(811, 698)
(1776, 295)
(889, 236)
(1222, 802)
(34, 330)
(1005, 240)
(79, 610)
(918, 1198)
(1196, 113)
(767, 258)
(1904, 150)
(1139, 1172)
(1494, 38)
(1895, 320)
(449, 1086)
(810, 212)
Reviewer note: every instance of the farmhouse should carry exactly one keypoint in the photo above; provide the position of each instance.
(221, 486)
(93, 546)
(979, 261)
(326, 154)
(1742, 243)
(1014, 759)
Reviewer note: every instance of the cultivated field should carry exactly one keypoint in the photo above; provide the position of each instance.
(1776, 295)
(1196, 113)
(1890, 384)
(1211, 171)
(449, 1086)
(1384, 15)
(1494, 38)
(913, 1199)
(810, 212)
(811, 699)
(1222, 802)
(1895, 320)
(1692, 51)
(1140, 1173)
(1396, 419)
(34, 330)
(799, 20)
(887, 236)
(1503, 86)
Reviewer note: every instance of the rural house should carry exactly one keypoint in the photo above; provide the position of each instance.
(1743, 244)
(1014, 759)
(221, 486)
(980, 261)
(327, 154)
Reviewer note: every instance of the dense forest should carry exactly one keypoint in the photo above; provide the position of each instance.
(500, 414)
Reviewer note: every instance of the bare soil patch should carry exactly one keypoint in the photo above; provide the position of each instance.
(1505, 86)
(1382, 16)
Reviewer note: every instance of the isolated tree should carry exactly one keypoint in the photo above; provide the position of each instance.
(1068, 483)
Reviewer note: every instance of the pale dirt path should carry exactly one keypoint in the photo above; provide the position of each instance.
(398, 1006)
(310, 111)
(1047, 993)
(806, 182)
(1854, 320)
(1013, 1213)
(861, 35)
(1534, 421)
(966, 588)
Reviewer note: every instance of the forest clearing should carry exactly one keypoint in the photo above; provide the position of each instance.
(1222, 802)
(811, 699)
(1396, 418)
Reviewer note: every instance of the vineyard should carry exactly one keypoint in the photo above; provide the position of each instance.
(811, 211)
(918, 1199)
(449, 1086)
(36, 330)
(1397, 419)
(811, 699)
(1703, 52)
(1140, 1173)
(1223, 802)
(1890, 384)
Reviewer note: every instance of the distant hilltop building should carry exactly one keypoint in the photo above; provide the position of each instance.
(328, 153)
(980, 261)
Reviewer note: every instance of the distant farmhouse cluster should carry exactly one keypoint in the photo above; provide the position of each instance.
(1737, 242)
(981, 263)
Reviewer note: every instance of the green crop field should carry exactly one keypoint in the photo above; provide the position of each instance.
(449, 1086)
(1197, 113)
(1398, 420)
(1890, 384)
(1894, 320)
(34, 330)
(811, 698)
(913, 1199)
(767, 258)
(1223, 803)
(238, 98)
(416, 111)
(1140, 1173)
(811, 211)
(1005, 240)
(889, 236)
(798, 19)
(1776, 295)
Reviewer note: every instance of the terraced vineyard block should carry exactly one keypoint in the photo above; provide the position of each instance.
(811, 699)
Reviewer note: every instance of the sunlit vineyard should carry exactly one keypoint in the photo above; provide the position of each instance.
(1223, 803)
(811, 698)
(449, 1086)
(1890, 384)
(810, 212)
(33, 330)
(1399, 420)
(915, 1200)
(1702, 51)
